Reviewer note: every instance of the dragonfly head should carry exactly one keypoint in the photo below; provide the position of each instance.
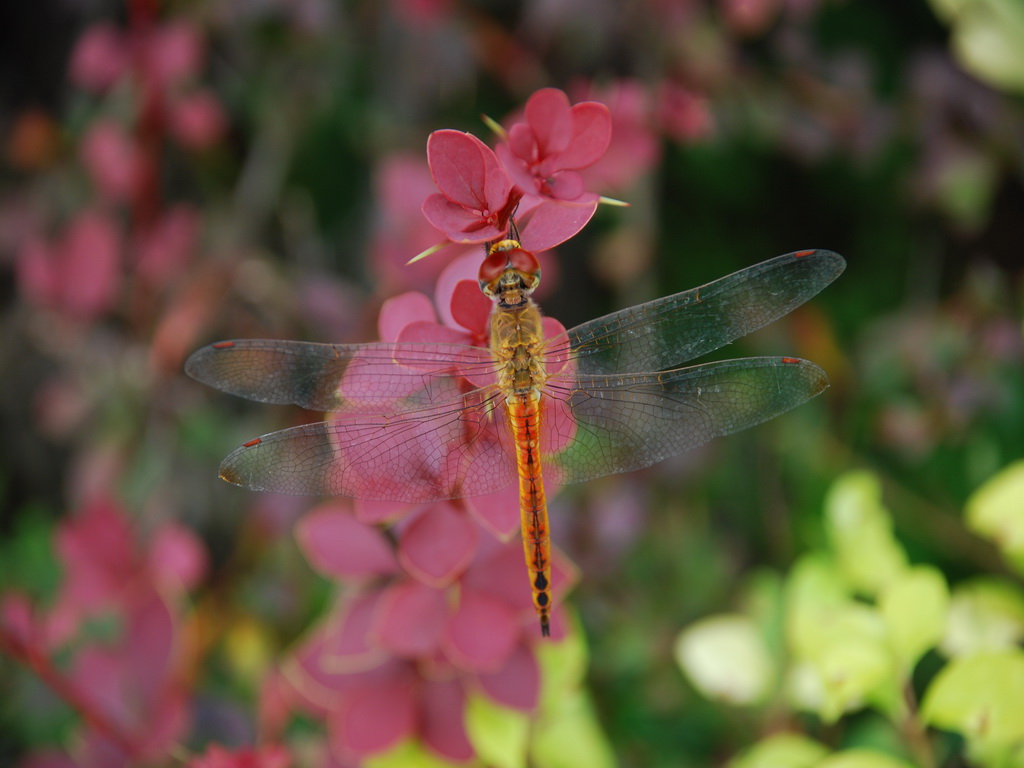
(509, 273)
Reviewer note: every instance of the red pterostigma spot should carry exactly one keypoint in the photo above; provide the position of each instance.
(251, 443)
(801, 254)
(791, 360)
(223, 345)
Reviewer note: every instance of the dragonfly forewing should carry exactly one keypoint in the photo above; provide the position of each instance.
(331, 377)
(668, 332)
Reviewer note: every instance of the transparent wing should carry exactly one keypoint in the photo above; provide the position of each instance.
(324, 377)
(599, 425)
(668, 332)
(461, 447)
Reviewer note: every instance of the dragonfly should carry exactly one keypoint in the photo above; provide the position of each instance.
(426, 421)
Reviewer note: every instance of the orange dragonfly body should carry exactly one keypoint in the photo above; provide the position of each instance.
(419, 422)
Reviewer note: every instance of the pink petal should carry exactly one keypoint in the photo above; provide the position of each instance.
(164, 249)
(373, 718)
(17, 617)
(517, 683)
(566, 185)
(398, 311)
(420, 333)
(339, 546)
(410, 619)
(176, 52)
(99, 57)
(91, 256)
(198, 120)
(523, 174)
(504, 576)
(457, 164)
(459, 224)
(550, 117)
(177, 557)
(442, 713)
(591, 135)
(438, 545)
(111, 159)
(470, 308)
(553, 222)
(464, 267)
(378, 512)
(482, 633)
(522, 144)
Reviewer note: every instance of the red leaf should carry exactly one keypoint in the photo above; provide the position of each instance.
(437, 545)
(482, 633)
(339, 546)
(517, 683)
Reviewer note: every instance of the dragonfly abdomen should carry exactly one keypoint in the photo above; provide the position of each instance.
(524, 418)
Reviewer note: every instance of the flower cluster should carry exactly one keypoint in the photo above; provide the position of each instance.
(533, 174)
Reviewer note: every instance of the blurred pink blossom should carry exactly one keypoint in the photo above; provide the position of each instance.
(750, 18)
(634, 149)
(197, 119)
(400, 185)
(111, 158)
(164, 249)
(682, 114)
(175, 53)
(99, 58)
(216, 756)
(78, 274)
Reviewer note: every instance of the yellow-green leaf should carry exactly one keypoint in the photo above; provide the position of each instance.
(783, 750)
(996, 511)
(915, 609)
(498, 734)
(862, 758)
(568, 736)
(860, 532)
(979, 697)
(985, 614)
(726, 659)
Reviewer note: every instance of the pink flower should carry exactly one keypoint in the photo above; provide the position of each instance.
(80, 273)
(99, 58)
(634, 148)
(401, 183)
(217, 756)
(477, 197)
(197, 120)
(175, 53)
(112, 160)
(543, 154)
(164, 249)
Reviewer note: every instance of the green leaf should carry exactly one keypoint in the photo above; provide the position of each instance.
(915, 610)
(862, 758)
(985, 614)
(987, 38)
(408, 754)
(783, 750)
(563, 665)
(859, 528)
(568, 736)
(996, 511)
(979, 697)
(498, 734)
(726, 659)
(840, 646)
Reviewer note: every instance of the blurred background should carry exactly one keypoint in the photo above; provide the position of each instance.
(173, 173)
